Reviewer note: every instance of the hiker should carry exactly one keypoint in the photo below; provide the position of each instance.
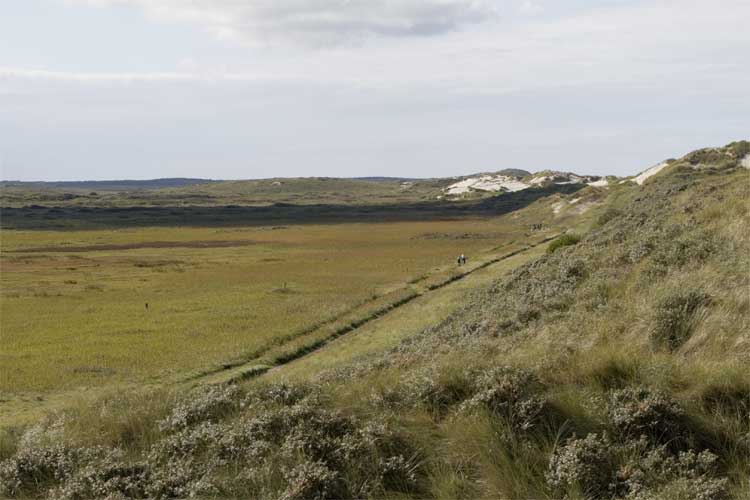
(458, 260)
(463, 259)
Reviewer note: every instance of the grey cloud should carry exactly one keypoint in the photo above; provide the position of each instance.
(319, 22)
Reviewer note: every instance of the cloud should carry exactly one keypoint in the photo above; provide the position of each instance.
(530, 8)
(609, 87)
(660, 45)
(318, 22)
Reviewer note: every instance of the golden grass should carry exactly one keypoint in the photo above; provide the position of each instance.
(78, 318)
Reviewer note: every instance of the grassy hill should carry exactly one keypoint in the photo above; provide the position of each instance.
(615, 364)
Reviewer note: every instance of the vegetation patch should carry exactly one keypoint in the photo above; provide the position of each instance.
(674, 318)
(565, 240)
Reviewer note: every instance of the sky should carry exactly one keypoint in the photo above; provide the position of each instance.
(240, 89)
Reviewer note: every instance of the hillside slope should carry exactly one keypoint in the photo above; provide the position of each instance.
(615, 366)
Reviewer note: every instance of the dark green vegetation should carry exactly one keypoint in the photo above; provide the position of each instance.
(188, 209)
(171, 193)
(119, 185)
(564, 240)
(615, 367)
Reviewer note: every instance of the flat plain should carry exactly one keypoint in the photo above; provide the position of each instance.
(89, 308)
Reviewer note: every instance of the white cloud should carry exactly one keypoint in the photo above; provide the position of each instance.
(658, 45)
(530, 8)
(318, 22)
(629, 81)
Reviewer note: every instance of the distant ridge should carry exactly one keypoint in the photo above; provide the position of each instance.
(386, 179)
(112, 185)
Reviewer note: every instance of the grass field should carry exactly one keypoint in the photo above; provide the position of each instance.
(74, 309)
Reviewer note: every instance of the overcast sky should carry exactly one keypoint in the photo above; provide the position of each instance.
(103, 89)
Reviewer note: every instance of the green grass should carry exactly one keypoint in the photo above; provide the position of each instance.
(563, 241)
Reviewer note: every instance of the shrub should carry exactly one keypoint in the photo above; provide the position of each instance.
(608, 215)
(436, 391)
(527, 314)
(639, 411)
(313, 480)
(654, 473)
(584, 465)
(639, 250)
(510, 394)
(204, 404)
(673, 318)
(739, 149)
(705, 156)
(280, 393)
(676, 252)
(564, 240)
(34, 468)
(109, 477)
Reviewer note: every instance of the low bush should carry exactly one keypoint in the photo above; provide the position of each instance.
(510, 394)
(585, 466)
(282, 442)
(313, 480)
(650, 473)
(435, 391)
(636, 412)
(564, 240)
(673, 318)
(204, 404)
(676, 252)
(608, 215)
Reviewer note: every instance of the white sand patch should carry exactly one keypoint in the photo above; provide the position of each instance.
(540, 180)
(641, 178)
(573, 178)
(460, 187)
(746, 161)
(574, 201)
(490, 183)
(600, 183)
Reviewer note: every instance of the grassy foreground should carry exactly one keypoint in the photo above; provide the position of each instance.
(614, 366)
